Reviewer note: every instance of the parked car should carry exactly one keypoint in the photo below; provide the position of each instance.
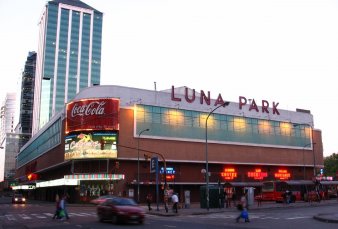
(101, 199)
(18, 199)
(120, 209)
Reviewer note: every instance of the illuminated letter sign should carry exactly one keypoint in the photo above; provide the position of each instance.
(92, 114)
(282, 174)
(229, 174)
(257, 174)
(91, 145)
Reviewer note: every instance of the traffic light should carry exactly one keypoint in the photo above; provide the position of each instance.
(32, 176)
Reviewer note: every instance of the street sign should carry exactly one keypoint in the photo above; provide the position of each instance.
(153, 164)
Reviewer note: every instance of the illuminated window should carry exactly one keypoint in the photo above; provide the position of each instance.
(264, 127)
(239, 124)
(285, 128)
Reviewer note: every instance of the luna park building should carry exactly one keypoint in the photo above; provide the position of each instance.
(113, 139)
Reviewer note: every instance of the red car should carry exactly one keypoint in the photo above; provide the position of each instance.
(120, 209)
(101, 199)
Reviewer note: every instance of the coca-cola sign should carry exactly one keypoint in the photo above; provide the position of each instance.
(92, 114)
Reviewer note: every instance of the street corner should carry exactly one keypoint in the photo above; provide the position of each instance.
(327, 218)
(161, 213)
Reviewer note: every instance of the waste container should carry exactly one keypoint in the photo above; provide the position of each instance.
(250, 192)
(216, 196)
(187, 199)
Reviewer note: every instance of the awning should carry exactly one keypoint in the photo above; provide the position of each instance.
(244, 184)
(331, 182)
(299, 182)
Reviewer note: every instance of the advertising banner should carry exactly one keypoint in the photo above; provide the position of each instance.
(91, 145)
(92, 114)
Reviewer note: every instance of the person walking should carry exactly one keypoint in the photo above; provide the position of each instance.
(63, 206)
(149, 199)
(57, 207)
(243, 208)
(166, 203)
(174, 199)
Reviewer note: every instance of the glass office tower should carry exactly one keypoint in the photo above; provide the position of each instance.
(69, 56)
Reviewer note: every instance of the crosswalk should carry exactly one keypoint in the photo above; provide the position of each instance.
(252, 216)
(45, 215)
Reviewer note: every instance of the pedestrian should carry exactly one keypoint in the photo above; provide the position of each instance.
(229, 193)
(149, 199)
(174, 199)
(259, 200)
(166, 203)
(57, 207)
(242, 207)
(63, 207)
(234, 197)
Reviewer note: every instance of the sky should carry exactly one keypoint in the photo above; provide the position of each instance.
(278, 50)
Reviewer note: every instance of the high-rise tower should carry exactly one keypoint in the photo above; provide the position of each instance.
(68, 58)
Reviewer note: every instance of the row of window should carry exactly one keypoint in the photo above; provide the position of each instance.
(228, 124)
(50, 138)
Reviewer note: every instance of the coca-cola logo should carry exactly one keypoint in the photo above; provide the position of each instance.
(93, 108)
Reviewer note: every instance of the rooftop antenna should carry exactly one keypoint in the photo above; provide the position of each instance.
(155, 85)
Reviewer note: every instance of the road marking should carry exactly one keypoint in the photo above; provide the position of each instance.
(169, 226)
(39, 216)
(48, 214)
(268, 217)
(24, 216)
(88, 214)
(300, 217)
(10, 217)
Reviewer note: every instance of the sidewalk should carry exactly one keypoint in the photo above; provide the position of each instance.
(195, 209)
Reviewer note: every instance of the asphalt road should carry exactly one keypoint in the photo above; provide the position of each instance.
(40, 216)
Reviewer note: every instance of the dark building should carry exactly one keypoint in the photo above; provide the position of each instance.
(27, 99)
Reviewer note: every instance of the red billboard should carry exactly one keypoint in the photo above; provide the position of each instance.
(92, 114)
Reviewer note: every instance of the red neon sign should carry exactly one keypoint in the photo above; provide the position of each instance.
(229, 174)
(282, 174)
(257, 174)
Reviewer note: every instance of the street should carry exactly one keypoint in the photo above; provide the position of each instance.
(36, 215)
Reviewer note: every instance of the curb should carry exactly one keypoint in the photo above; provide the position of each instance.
(322, 218)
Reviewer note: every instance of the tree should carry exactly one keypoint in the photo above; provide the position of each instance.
(331, 165)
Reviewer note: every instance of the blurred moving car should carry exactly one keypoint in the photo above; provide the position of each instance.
(101, 199)
(18, 199)
(120, 209)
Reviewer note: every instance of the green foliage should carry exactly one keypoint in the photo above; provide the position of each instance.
(331, 165)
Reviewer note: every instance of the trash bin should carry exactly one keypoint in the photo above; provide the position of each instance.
(216, 196)
(250, 195)
(187, 199)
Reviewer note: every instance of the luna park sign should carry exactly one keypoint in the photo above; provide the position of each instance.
(243, 102)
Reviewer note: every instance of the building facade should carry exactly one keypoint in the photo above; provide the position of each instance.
(109, 138)
(68, 58)
(7, 118)
(27, 99)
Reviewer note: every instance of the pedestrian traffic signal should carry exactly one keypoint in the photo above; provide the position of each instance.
(170, 177)
(146, 156)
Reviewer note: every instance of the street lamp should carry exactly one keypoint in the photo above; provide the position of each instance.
(206, 151)
(138, 164)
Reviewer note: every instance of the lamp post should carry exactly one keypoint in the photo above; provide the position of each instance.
(138, 164)
(206, 151)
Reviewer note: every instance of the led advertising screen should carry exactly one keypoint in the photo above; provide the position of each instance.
(91, 145)
(92, 114)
